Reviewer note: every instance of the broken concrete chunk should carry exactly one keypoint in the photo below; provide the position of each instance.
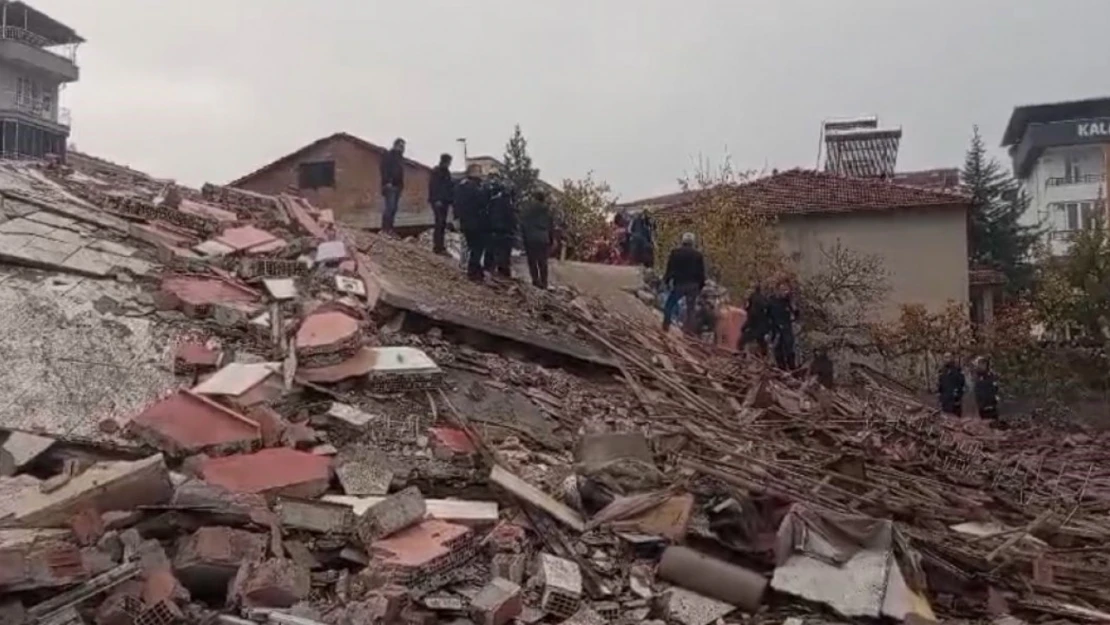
(21, 448)
(497, 604)
(350, 417)
(58, 604)
(331, 251)
(690, 608)
(207, 560)
(534, 496)
(315, 516)
(461, 511)
(276, 583)
(561, 581)
(281, 288)
(363, 471)
(393, 514)
(185, 423)
(236, 378)
(586, 616)
(351, 286)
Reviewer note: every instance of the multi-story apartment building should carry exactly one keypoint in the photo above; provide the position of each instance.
(1061, 153)
(37, 57)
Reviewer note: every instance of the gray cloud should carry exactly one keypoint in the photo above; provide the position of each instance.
(632, 89)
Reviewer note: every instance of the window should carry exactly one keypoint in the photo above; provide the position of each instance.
(316, 175)
(1072, 171)
(1079, 215)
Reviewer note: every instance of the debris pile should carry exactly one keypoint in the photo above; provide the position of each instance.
(352, 433)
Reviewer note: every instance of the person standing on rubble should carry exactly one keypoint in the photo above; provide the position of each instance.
(502, 227)
(758, 322)
(642, 233)
(536, 234)
(441, 194)
(685, 277)
(986, 390)
(392, 173)
(951, 386)
(782, 314)
(472, 211)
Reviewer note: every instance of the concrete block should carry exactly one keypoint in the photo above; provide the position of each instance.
(393, 514)
(510, 566)
(561, 582)
(315, 516)
(273, 583)
(207, 560)
(498, 603)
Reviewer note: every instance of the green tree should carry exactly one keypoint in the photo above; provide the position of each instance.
(997, 238)
(581, 210)
(518, 165)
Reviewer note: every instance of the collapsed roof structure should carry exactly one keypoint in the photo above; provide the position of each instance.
(224, 407)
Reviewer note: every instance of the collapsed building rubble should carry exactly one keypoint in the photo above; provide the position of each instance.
(334, 427)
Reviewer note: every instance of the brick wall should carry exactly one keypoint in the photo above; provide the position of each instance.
(356, 197)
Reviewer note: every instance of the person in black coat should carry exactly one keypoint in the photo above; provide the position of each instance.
(392, 173)
(986, 390)
(472, 211)
(502, 226)
(685, 276)
(536, 232)
(782, 313)
(951, 386)
(757, 324)
(441, 194)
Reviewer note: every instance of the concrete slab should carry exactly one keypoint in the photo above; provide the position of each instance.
(22, 225)
(51, 219)
(89, 263)
(185, 424)
(105, 486)
(13, 242)
(278, 471)
(91, 366)
(67, 236)
(237, 378)
(245, 237)
(112, 247)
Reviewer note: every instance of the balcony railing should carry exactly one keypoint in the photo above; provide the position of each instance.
(36, 108)
(1061, 181)
(35, 40)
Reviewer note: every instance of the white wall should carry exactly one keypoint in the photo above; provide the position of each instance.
(1047, 205)
(9, 78)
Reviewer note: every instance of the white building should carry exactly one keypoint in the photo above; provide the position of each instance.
(37, 57)
(1061, 154)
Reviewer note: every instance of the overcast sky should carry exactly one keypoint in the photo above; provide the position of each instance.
(635, 90)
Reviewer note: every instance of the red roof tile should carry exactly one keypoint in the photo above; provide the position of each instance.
(803, 192)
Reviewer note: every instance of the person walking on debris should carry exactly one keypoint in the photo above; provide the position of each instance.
(685, 277)
(393, 183)
(758, 322)
(502, 227)
(951, 386)
(536, 234)
(782, 313)
(472, 210)
(441, 194)
(642, 232)
(986, 389)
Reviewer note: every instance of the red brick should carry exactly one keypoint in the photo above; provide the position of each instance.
(276, 471)
(448, 442)
(321, 331)
(245, 237)
(185, 423)
(207, 560)
(429, 547)
(198, 291)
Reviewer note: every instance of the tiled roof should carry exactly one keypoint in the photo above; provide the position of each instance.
(802, 192)
(943, 179)
(339, 136)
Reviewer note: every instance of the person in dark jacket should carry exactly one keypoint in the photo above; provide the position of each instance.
(986, 390)
(642, 233)
(472, 211)
(782, 314)
(685, 277)
(441, 194)
(393, 183)
(951, 386)
(502, 226)
(536, 233)
(758, 322)
(822, 368)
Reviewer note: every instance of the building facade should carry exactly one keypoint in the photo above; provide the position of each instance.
(920, 235)
(37, 57)
(1061, 156)
(342, 173)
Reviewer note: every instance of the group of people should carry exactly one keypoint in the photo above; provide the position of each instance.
(952, 384)
(636, 238)
(489, 212)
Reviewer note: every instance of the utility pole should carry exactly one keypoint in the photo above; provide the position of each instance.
(466, 159)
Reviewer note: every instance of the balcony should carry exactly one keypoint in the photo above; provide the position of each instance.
(31, 50)
(1065, 181)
